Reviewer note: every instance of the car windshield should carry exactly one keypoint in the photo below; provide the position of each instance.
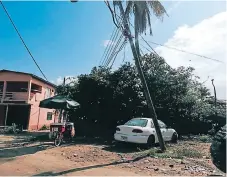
(137, 122)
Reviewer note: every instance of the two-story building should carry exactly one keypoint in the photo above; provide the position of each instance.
(20, 95)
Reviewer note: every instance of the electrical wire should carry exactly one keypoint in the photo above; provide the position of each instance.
(121, 47)
(184, 51)
(202, 56)
(22, 40)
(114, 51)
(109, 43)
(111, 47)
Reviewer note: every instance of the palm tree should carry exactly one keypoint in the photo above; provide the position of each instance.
(141, 11)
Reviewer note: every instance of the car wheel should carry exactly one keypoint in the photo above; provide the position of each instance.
(151, 141)
(174, 138)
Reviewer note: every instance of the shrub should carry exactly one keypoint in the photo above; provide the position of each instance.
(44, 127)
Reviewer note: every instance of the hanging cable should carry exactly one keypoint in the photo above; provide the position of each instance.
(180, 50)
(121, 47)
(202, 56)
(109, 43)
(114, 51)
(111, 47)
(22, 40)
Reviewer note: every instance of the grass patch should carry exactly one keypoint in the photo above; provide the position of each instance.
(205, 138)
(175, 152)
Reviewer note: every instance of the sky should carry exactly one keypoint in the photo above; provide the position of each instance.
(68, 39)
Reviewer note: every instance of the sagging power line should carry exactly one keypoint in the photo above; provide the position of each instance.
(180, 50)
(184, 51)
(22, 40)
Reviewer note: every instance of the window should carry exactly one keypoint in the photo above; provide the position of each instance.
(49, 116)
(161, 124)
(137, 122)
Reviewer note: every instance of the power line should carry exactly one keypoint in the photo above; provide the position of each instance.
(109, 43)
(22, 39)
(110, 47)
(121, 47)
(114, 51)
(117, 41)
(202, 56)
(184, 51)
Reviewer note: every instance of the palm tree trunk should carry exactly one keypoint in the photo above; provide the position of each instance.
(144, 84)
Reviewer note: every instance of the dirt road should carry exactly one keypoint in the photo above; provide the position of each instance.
(42, 159)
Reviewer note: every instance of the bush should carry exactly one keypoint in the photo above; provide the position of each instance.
(44, 127)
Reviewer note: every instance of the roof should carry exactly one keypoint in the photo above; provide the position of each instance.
(32, 75)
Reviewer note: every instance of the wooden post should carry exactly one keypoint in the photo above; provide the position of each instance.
(38, 120)
(4, 92)
(6, 115)
(29, 90)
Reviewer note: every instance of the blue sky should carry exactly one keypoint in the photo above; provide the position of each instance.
(67, 38)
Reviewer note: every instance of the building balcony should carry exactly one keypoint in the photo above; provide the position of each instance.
(12, 97)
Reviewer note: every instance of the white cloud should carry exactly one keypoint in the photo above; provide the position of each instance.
(206, 38)
(69, 79)
(108, 42)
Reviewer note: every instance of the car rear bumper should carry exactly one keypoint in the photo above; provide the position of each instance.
(131, 139)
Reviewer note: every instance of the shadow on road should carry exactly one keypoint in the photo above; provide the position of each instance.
(109, 145)
(88, 167)
(123, 148)
(19, 151)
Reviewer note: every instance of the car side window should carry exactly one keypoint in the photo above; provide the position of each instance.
(152, 124)
(161, 124)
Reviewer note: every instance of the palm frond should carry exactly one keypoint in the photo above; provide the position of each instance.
(157, 8)
(149, 20)
(129, 9)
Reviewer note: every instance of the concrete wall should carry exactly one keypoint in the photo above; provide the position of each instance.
(38, 116)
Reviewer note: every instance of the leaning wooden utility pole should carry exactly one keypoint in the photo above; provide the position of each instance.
(143, 81)
(215, 97)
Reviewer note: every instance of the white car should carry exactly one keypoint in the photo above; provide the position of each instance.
(142, 131)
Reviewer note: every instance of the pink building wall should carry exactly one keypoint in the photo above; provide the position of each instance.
(38, 116)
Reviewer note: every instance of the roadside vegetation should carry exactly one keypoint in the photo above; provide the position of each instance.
(181, 100)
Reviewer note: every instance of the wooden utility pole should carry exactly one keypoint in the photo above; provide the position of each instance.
(143, 81)
(215, 96)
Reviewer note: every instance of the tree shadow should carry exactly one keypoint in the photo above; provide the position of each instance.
(11, 152)
(88, 167)
(92, 141)
(124, 148)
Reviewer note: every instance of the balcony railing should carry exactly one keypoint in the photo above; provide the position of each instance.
(14, 96)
